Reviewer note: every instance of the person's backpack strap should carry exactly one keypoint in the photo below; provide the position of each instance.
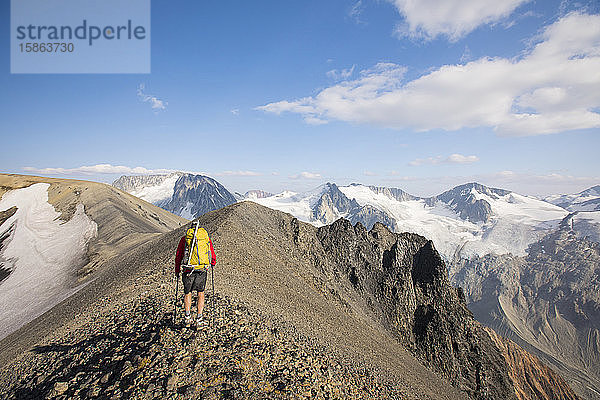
(191, 249)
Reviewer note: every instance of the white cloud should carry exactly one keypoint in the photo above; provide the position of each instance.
(97, 169)
(306, 175)
(554, 87)
(466, 55)
(369, 173)
(341, 75)
(235, 111)
(451, 159)
(355, 12)
(427, 19)
(238, 173)
(155, 103)
(460, 159)
(314, 120)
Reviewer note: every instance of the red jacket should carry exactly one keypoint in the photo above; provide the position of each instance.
(181, 250)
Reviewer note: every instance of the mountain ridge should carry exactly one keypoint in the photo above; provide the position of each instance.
(290, 278)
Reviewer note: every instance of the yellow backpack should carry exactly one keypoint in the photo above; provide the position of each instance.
(200, 255)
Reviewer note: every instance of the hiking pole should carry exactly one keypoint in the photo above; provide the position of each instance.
(175, 303)
(212, 299)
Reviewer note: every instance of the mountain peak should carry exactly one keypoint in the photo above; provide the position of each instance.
(466, 189)
(185, 194)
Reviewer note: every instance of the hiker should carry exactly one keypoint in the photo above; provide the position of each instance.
(194, 267)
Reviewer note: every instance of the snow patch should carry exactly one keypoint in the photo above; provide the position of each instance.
(42, 252)
(299, 205)
(186, 212)
(158, 193)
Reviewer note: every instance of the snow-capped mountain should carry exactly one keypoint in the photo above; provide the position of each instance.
(155, 189)
(194, 195)
(470, 201)
(587, 200)
(468, 220)
(186, 195)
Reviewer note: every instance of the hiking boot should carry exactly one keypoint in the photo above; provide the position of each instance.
(188, 320)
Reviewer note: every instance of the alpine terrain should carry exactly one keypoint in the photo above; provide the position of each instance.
(258, 194)
(493, 240)
(57, 234)
(547, 301)
(336, 311)
(183, 194)
(587, 200)
(465, 221)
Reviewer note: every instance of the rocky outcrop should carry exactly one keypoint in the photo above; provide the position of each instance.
(6, 214)
(532, 379)
(402, 280)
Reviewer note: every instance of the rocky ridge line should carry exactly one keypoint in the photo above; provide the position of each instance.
(134, 351)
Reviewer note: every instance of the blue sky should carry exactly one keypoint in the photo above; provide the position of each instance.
(288, 95)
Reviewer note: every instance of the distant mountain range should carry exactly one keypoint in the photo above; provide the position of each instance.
(587, 200)
(466, 221)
